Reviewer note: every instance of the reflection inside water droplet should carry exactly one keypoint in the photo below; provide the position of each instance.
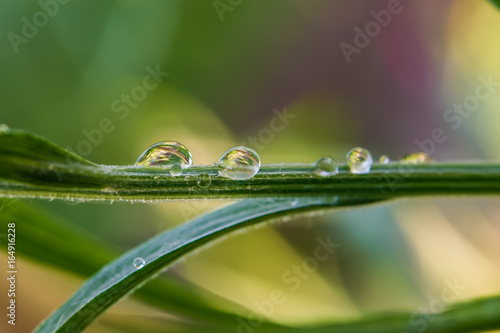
(176, 170)
(139, 263)
(359, 160)
(326, 166)
(384, 159)
(165, 154)
(239, 163)
(203, 180)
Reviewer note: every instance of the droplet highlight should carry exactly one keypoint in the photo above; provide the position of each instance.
(239, 163)
(359, 160)
(203, 180)
(326, 166)
(139, 263)
(165, 154)
(384, 159)
(176, 170)
(416, 158)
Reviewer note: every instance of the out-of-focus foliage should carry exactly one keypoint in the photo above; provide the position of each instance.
(225, 78)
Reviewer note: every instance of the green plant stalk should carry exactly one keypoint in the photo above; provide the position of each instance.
(32, 167)
(143, 183)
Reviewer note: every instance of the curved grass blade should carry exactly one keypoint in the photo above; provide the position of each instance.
(120, 277)
(31, 167)
(53, 242)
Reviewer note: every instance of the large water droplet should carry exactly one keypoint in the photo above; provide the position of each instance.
(239, 163)
(139, 263)
(384, 159)
(416, 158)
(165, 154)
(359, 160)
(4, 128)
(204, 180)
(326, 166)
(176, 170)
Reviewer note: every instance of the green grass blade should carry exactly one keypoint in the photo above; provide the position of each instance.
(35, 168)
(31, 147)
(120, 277)
(53, 242)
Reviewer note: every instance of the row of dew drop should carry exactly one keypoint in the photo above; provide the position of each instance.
(240, 163)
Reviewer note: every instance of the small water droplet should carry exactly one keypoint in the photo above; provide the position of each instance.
(4, 128)
(204, 180)
(176, 170)
(139, 263)
(239, 163)
(359, 160)
(416, 158)
(165, 154)
(326, 166)
(384, 159)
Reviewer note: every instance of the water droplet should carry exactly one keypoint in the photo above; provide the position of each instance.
(416, 158)
(4, 128)
(384, 159)
(165, 154)
(359, 160)
(326, 166)
(239, 163)
(204, 180)
(176, 170)
(139, 263)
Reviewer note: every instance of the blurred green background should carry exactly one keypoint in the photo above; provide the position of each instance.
(80, 80)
